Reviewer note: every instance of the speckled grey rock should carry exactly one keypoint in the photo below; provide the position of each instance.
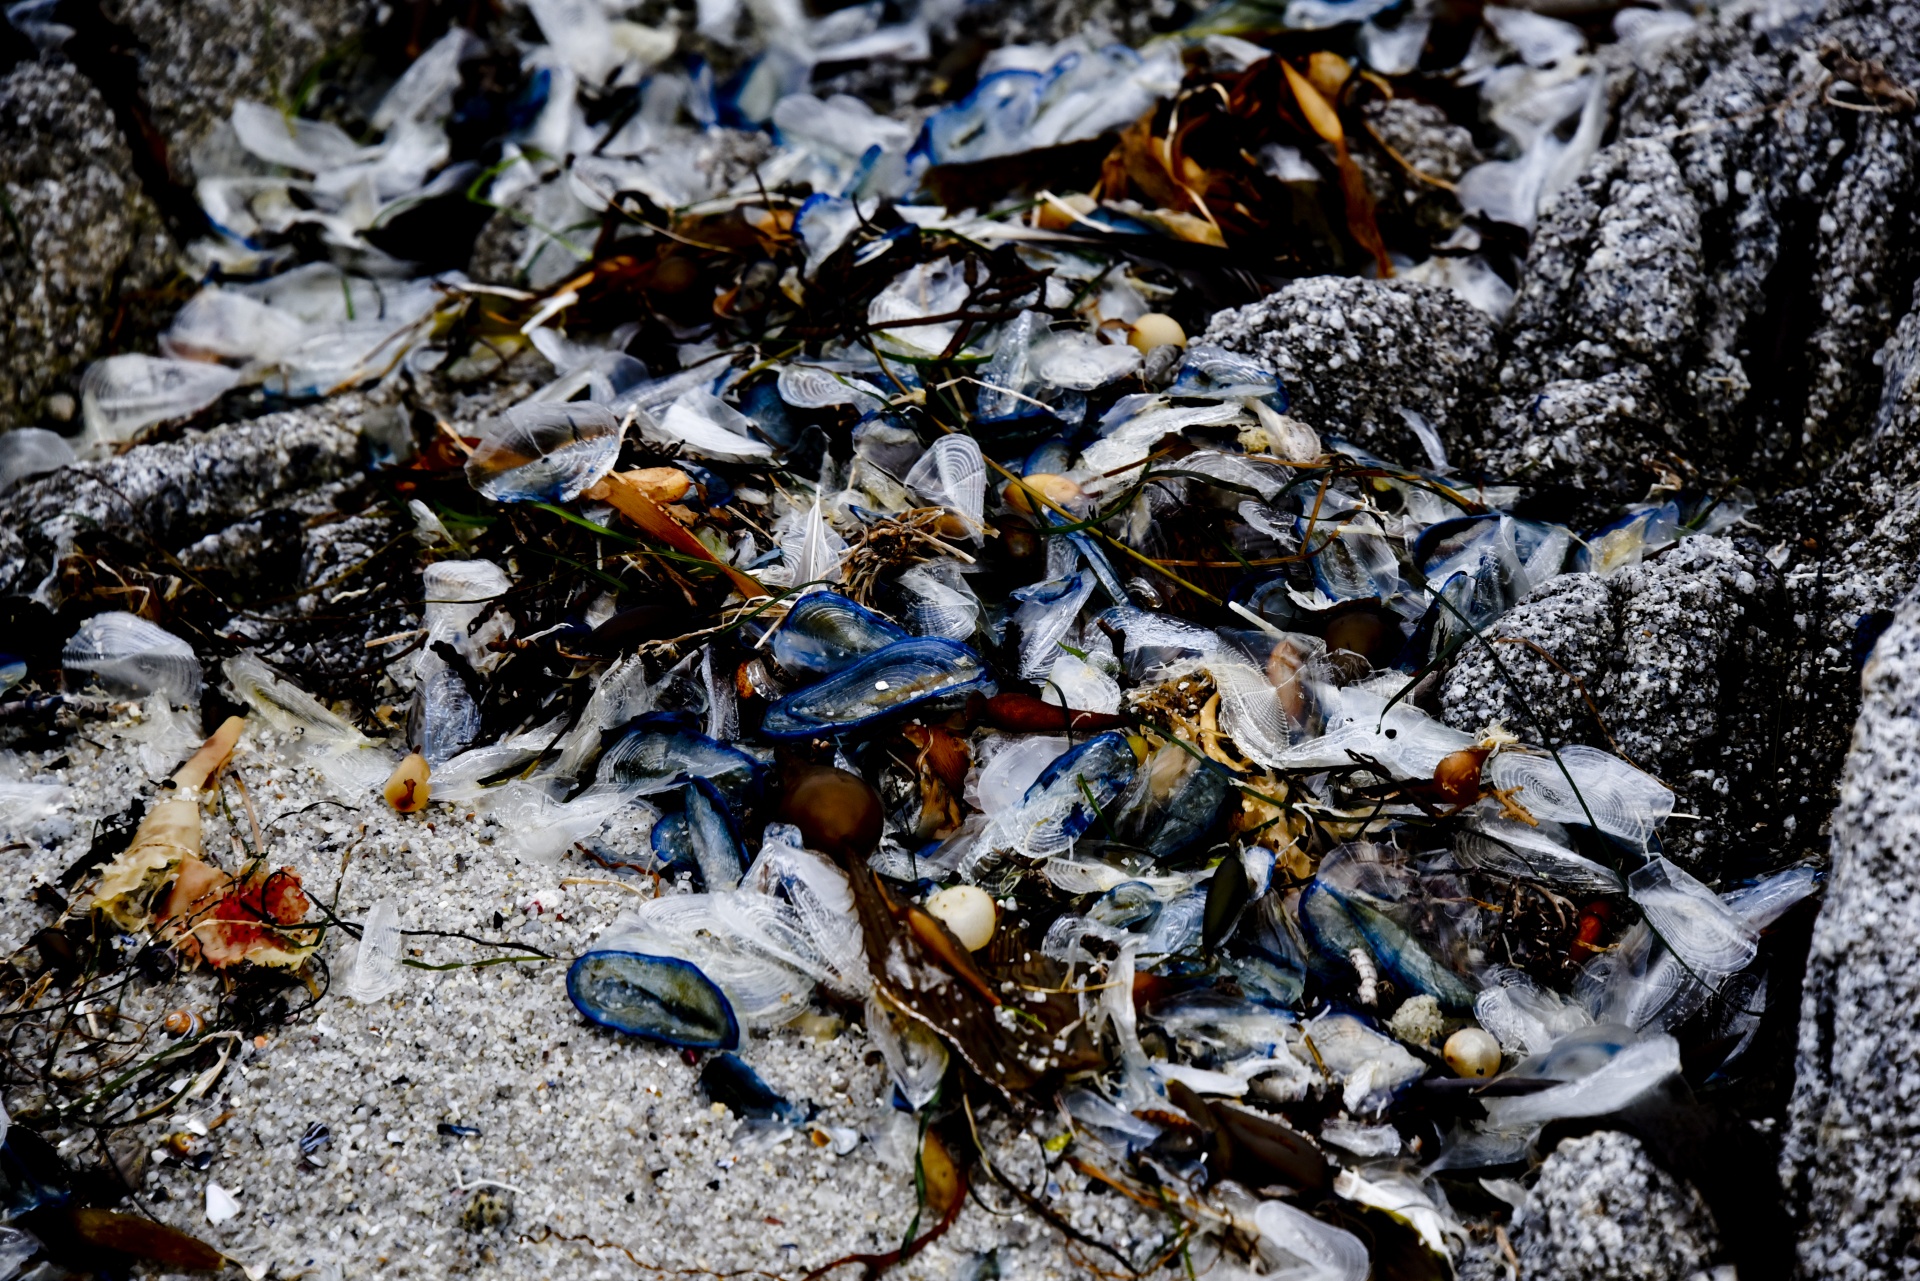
(1615, 275)
(1745, 240)
(199, 56)
(176, 492)
(1848, 549)
(1411, 156)
(1423, 136)
(1573, 618)
(1809, 217)
(263, 550)
(1852, 1157)
(1354, 353)
(1681, 618)
(1602, 1211)
(1608, 436)
(78, 220)
(358, 580)
(1671, 653)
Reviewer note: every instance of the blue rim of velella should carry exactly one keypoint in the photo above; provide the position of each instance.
(817, 601)
(783, 721)
(729, 1040)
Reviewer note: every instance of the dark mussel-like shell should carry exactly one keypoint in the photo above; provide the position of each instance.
(661, 998)
(904, 674)
(825, 633)
(1366, 628)
(1259, 1150)
(1191, 810)
(1228, 895)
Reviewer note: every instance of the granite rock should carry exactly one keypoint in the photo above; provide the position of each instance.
(1615, 275)
(1603, 1211)
(198, 57)
(1416, 156)
(1603, 440)
(1750, 240)
(1657, 662)
(1852, 1157)
(1557, 646)
(80, 230)
(1355, 353)
(176, 492)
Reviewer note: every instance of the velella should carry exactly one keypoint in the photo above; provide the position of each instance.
(1585, 785)
(122, 395)
(544, 452)
(712, 837)
(903, 675)
(130, 655)
(1070, 795)
(1212, 372)
(26, 452)
(825, 632)
(730, 1082)
(658, 751)
(660, 998)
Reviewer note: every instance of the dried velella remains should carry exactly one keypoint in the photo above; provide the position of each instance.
(661, 998)
(984, 645)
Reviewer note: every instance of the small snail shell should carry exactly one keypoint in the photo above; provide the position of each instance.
(1457, 777)
(968, 911)
(1472, 1052)
(183, 1023)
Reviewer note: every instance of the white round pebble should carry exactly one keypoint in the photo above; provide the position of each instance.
(968, 911)
(1472, 1052)
(1156, 329)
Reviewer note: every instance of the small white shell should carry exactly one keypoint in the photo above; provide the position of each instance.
(221, 1205)
(1156, 329)
(1472, 1052)
(968, 911)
